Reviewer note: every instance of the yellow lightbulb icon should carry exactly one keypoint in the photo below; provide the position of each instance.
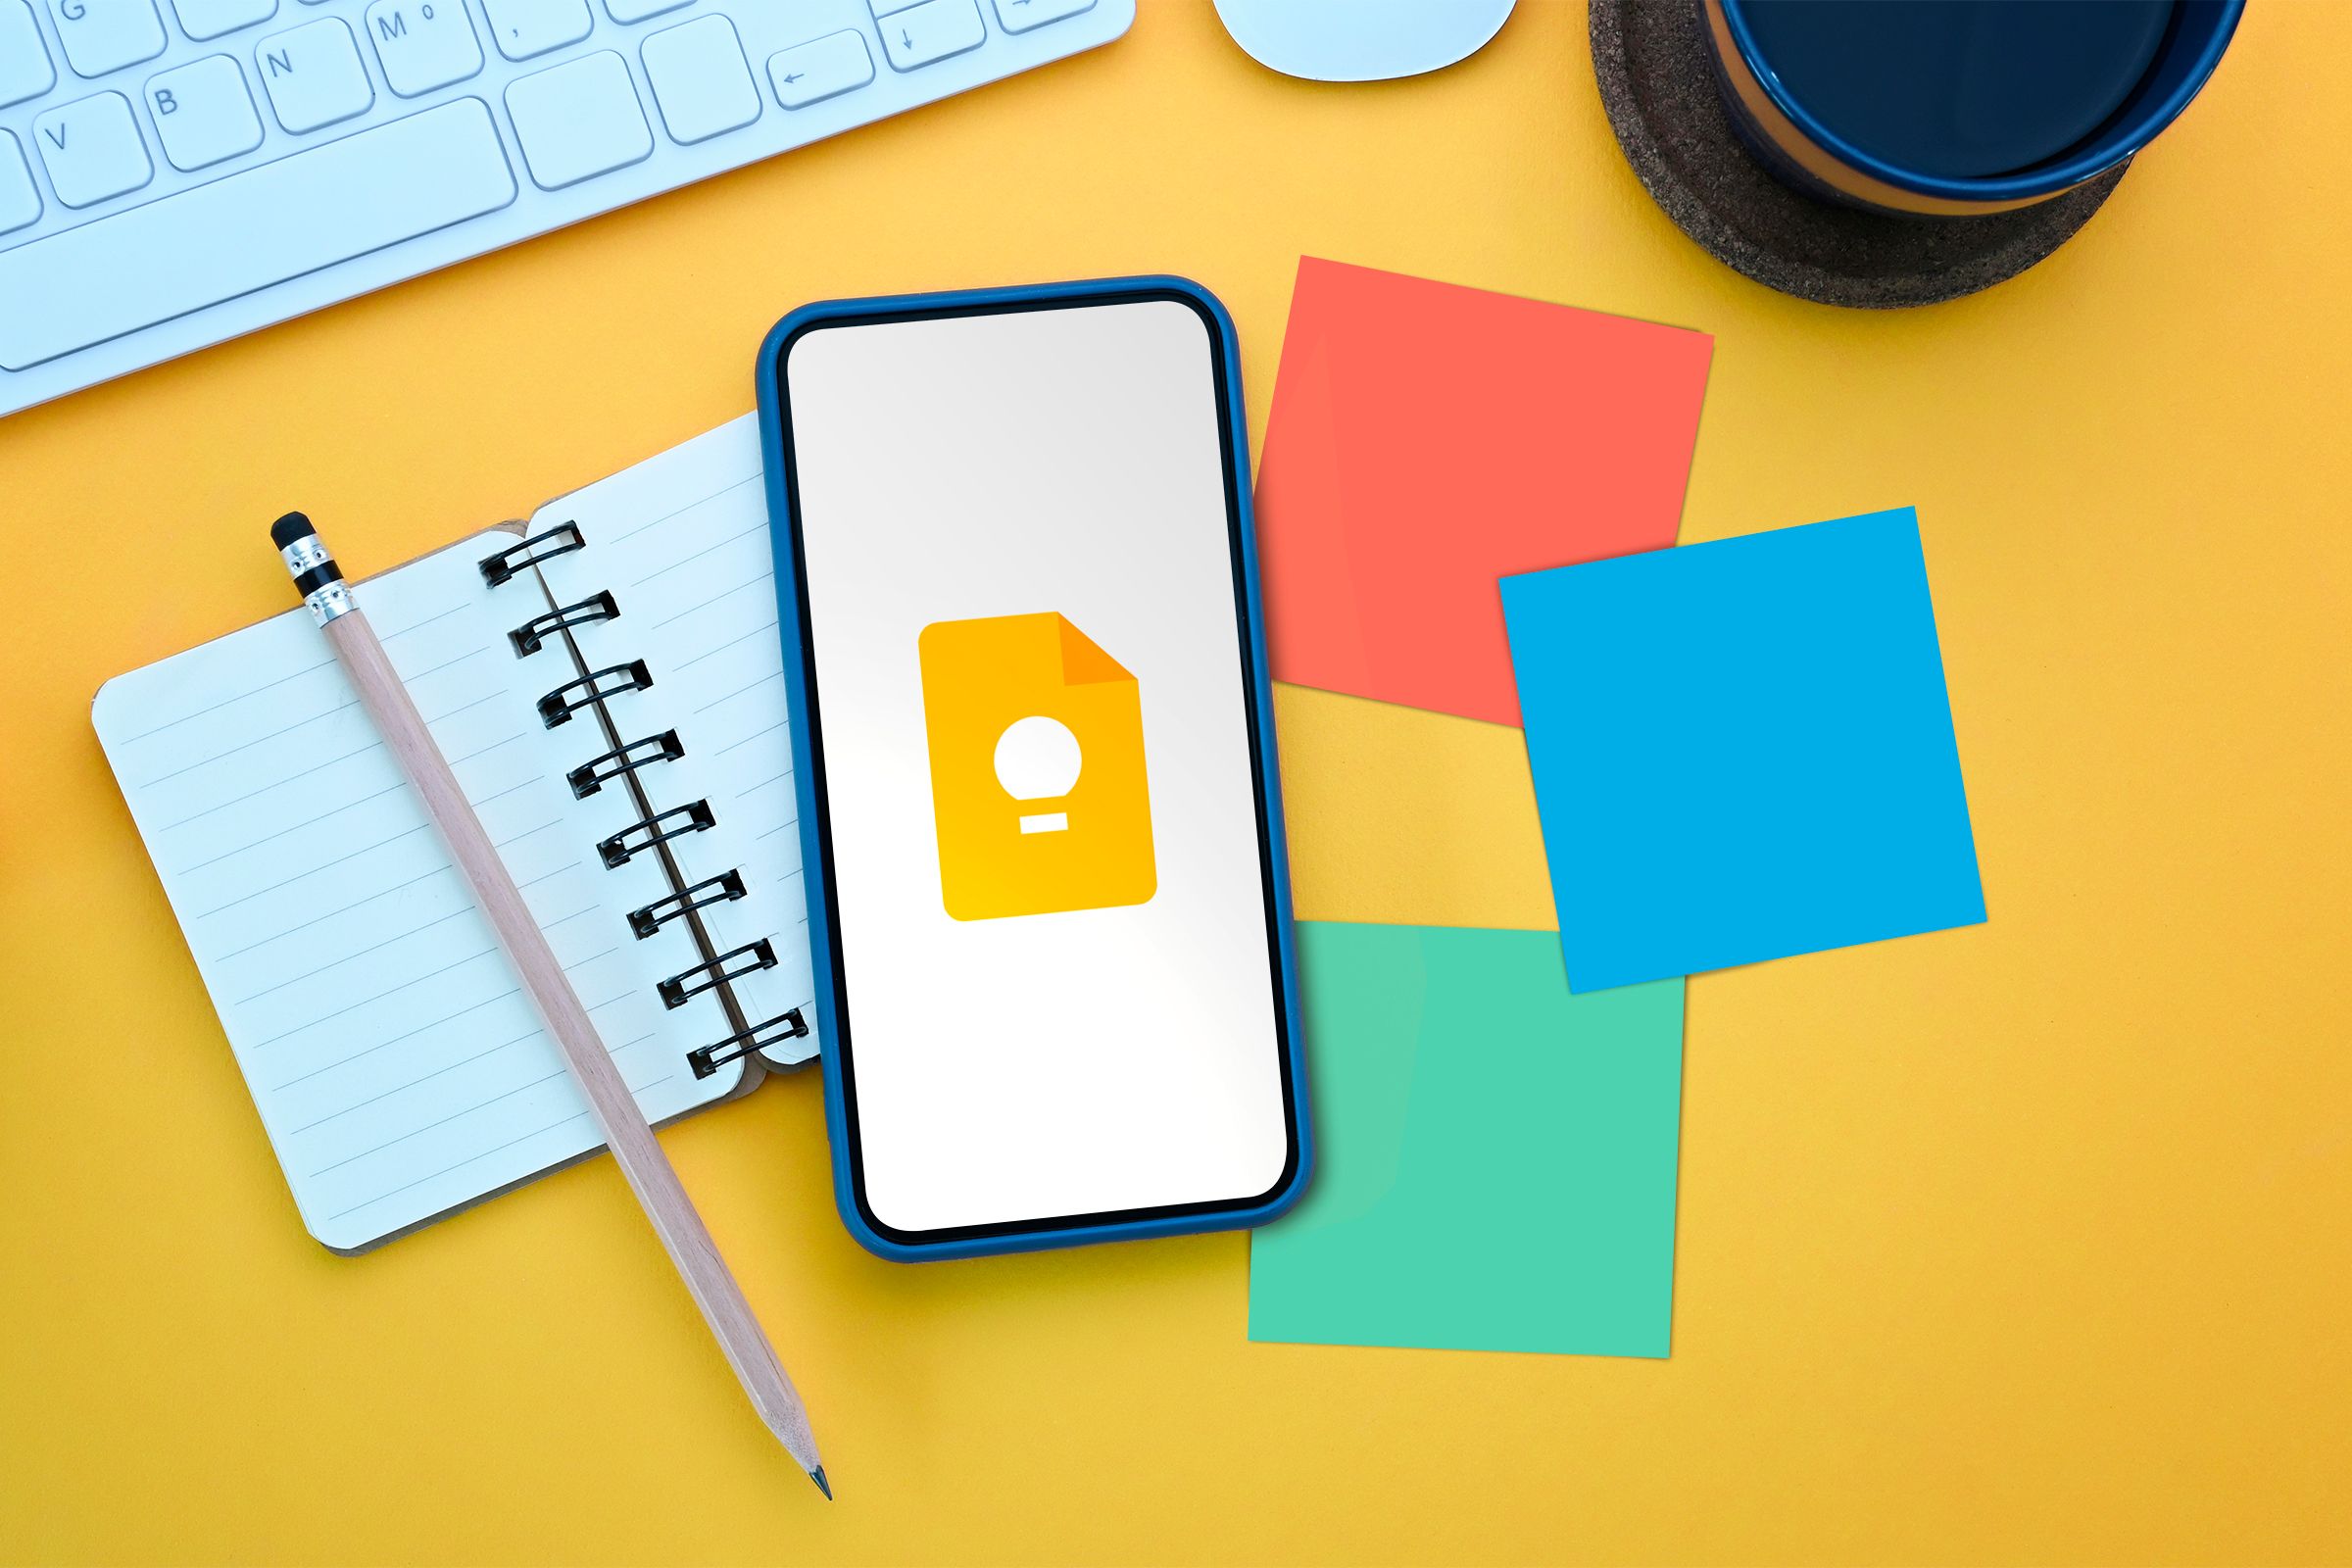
(1015, 707)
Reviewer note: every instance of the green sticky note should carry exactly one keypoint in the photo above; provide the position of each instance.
(1494, 1157)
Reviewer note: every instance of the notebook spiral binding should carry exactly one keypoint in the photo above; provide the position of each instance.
(527, 637)
(589, 692)
(707, 1059)
(598, 772)
(558, 706)
(638, 837)
(561, 539)
(733, 964)
(724, 888)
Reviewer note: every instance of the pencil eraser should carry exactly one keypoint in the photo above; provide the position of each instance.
(290, 527)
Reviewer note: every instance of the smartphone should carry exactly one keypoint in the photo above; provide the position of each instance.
(1040, 814)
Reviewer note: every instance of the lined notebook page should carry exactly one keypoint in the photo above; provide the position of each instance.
(681, 542)
(396, 1066)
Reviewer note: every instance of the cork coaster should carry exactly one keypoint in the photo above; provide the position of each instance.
(1657, 83)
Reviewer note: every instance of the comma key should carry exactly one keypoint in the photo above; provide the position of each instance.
(527, 27)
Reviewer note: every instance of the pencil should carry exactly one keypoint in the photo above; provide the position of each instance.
(617, 1116)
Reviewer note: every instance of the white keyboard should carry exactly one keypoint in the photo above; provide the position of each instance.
(173, 173)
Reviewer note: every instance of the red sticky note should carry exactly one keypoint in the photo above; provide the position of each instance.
(1427, 439)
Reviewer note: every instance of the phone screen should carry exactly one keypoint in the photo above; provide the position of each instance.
(1045, 839)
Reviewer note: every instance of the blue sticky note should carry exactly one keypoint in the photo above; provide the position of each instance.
(1743, 750)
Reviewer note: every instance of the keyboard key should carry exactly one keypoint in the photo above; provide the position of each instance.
(813, 71)
(25, 68)
(103, 35)
(527, 27)
(92, 150)
(424, 44)
(260, 227)
(1019, 15)
(700, 80)
(639, 10)
(210, 19)
(20, 198)
(314, 74)
(578, 120)
(203, 112)
(931, 31)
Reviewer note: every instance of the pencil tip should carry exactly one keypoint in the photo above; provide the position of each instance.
(817, 1475)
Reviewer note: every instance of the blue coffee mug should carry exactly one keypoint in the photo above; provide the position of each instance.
(1958, 107)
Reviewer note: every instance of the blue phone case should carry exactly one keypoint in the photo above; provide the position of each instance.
(768, 375)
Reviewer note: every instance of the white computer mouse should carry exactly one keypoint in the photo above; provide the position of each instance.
(1362, 41)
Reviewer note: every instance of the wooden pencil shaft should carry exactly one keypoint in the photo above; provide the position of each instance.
(615, 1110)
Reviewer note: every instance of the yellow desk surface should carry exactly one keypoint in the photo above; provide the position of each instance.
(2030, 1242)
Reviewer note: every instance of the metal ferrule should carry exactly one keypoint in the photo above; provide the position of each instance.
(318, 577)
(327, 603)
(306, 554)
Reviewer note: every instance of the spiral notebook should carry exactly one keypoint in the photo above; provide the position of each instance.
(608, 689)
